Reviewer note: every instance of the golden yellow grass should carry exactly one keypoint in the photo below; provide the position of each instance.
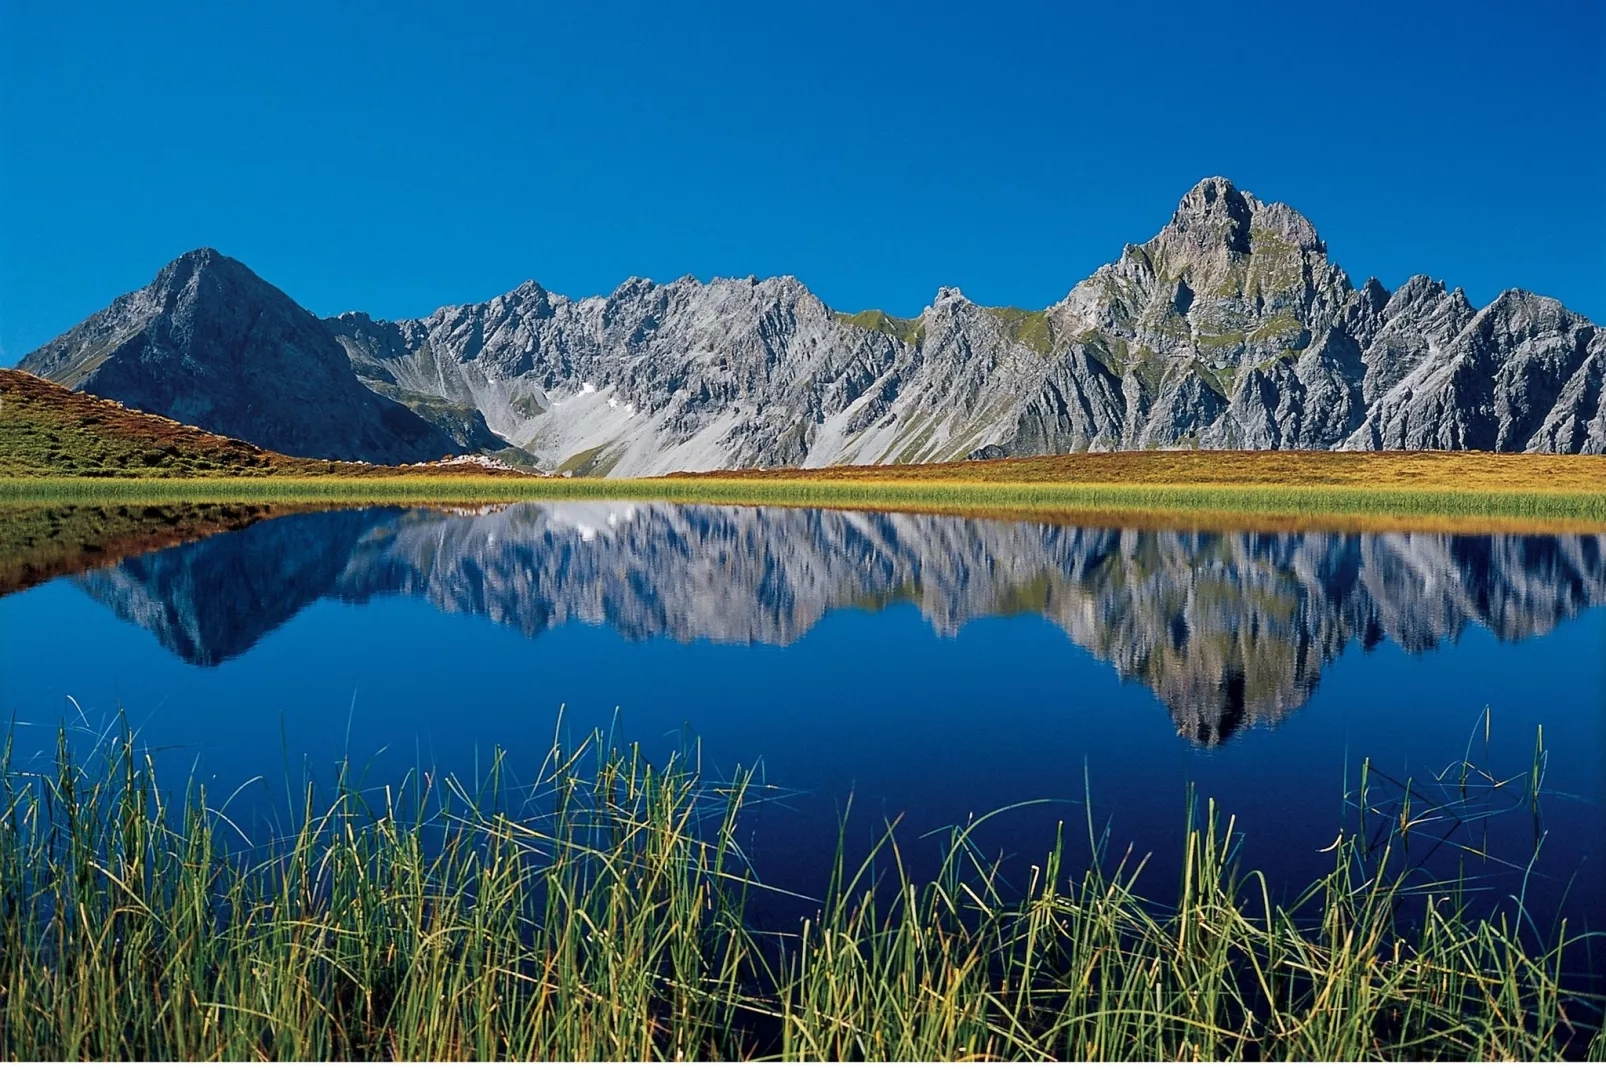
(1424, 470)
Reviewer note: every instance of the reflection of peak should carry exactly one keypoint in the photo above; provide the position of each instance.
(1227, 630)
(212, 600)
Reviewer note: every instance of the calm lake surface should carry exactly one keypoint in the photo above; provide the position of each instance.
(929, 667)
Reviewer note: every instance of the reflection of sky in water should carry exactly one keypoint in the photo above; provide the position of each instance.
(932, 667)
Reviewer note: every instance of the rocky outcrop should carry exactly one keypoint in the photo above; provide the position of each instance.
(1230, 328)
(1228, 630)
(1523, 374)
(208, 343)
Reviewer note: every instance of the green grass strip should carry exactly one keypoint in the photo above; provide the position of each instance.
(928, 494)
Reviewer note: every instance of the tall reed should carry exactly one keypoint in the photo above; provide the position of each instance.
(602, 911)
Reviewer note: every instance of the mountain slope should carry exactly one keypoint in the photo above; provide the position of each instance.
(48, 430)
(1230, 328)
(209, 343)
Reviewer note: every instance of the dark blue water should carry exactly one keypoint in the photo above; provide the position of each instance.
(927, 667)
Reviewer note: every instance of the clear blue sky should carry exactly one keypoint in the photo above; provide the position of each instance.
(394, 157)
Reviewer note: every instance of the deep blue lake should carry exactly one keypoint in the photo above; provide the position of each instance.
(925, 666)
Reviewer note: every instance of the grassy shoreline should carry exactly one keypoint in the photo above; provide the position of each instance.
(609, 921)
(61, 446)
(1281, 505)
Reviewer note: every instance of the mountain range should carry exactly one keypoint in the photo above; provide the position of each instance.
(1231, 328)
(1228, 630)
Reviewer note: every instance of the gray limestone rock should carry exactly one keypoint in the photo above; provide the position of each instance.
(209, 343)
(1230, 328)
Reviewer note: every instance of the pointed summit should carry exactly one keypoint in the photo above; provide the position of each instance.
(208, 263)
(1214, 214)
(1225, 241)
(1212, 191)
(209, 343)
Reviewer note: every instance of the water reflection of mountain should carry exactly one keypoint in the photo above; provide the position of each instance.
(1227, 629)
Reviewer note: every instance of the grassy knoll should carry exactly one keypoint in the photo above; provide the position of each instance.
(47, 430)
(607, 919)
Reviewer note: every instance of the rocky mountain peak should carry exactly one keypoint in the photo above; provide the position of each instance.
(634, 286)
(1420, 292)
(206, 275)
(528, 298)
(201, 257)
(1213, 214)
(1230, 328)
(1215, 221)
(210, 343)
(1374, 294)
(1518, 315)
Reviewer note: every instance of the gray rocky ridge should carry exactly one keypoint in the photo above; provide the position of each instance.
(1230, 328)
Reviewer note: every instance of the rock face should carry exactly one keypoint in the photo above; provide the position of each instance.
(209, 343)
(1230, 328)
(1227, 630)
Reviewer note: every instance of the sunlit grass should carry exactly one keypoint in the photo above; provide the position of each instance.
(1423, 470)
(48, 431)
(1286, 502)
(600, 911)
(60, 446)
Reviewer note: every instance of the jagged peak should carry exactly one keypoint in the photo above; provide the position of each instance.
(1516, 314)
(525, 293)
(1421, 283)
(201, 255)
(1290, 224)
(1424, 289)
(635, 284)
(1515, 298)
(767, 284)
(199, 261)
(1208, 190)
(1212, 196)
(1215, 213)
(205, 271)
